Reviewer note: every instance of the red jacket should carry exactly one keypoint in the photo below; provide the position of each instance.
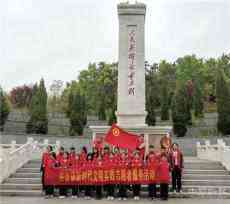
(137, 162)
(82, 158)
(164, 173)
(152, 160)
(45, 157)
(60, 158)
(123, 163)
(64, 163)
(72, 159)
(176, 159)
(50, 165)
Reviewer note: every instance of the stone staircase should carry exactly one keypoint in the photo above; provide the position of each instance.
(201, 178)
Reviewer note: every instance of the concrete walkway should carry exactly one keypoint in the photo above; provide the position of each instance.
(35, 200)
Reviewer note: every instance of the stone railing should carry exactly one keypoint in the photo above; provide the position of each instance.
(11, 160)
(14, 156)
(215, 152)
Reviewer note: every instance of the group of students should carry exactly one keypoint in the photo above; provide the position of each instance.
(168, 160)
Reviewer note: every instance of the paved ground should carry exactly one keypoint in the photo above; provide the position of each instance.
(26, 200)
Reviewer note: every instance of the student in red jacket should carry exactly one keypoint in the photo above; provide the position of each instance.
(123, 163)
(50, 163)
(177, 165)
(137, 162)
(111, 164)
(60, 154)
(45, 157)
(64, 164)
(99, 164)
(83, 155)
(88, 164)
(152, 161)
(74, 164)
(164, 176)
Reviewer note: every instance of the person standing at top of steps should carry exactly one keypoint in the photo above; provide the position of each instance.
(177, 165)
(45, 157)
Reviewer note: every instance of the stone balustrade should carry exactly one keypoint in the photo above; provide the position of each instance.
(215, 152)
(14, 156)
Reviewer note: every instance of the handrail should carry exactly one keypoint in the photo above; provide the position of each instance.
(215, 152)
(20, 148)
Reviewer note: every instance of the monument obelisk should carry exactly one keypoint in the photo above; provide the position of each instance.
(131, 70)
(131, 111)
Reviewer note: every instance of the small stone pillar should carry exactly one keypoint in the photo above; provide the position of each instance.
(13, 145)
(45, 144)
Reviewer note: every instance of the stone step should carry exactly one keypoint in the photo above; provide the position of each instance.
(213, 182)
(29, 193)
(206, 177)
(203, 166)
(26, 175)
(28, 170)
(37, 193)
(196, 189)
(37, 161)
(32, 165)
(15, 186)
(206, 172)
(23, 180)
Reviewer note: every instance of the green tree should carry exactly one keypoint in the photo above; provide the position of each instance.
(164, 101)
(38, 122)
(181, 114)
(223, 102)
(76, 112)
(152, 96)
(151, 115)
(167, 75)
(4, 109)
(198, 101)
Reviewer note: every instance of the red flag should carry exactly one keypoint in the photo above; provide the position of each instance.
(118, 137)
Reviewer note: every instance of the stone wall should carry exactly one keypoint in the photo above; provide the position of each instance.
(58, 124)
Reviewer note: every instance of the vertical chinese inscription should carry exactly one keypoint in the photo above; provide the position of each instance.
(131, 59)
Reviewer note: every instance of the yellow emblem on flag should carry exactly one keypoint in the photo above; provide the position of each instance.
(116, 132)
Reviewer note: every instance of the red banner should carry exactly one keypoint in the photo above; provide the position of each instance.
(70, 176)
(120, 138)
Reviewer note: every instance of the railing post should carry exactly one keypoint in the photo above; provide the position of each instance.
(46, 143)
(58, 145)
(13, 145)
(30, 140)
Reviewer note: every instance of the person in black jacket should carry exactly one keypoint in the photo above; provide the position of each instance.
(177, 165)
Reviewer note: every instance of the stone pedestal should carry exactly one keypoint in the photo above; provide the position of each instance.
(152, 134)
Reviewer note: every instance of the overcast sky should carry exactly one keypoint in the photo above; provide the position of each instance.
(55, 39)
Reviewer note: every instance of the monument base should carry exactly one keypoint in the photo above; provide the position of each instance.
(152, 134)
(127, 120)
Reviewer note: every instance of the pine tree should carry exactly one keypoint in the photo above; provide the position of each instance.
(181, 114)
(38, 122)
(223, 102)
(77, 112)
(112, 116)
(151, 116)
(4, 109)
(164, 101)
(198, 102)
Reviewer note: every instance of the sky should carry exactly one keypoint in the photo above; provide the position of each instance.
(56, 39)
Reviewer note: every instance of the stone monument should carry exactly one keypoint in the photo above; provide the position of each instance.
(131, 68)
(131, 111)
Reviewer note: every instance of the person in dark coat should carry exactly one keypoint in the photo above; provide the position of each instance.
(177, 165)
